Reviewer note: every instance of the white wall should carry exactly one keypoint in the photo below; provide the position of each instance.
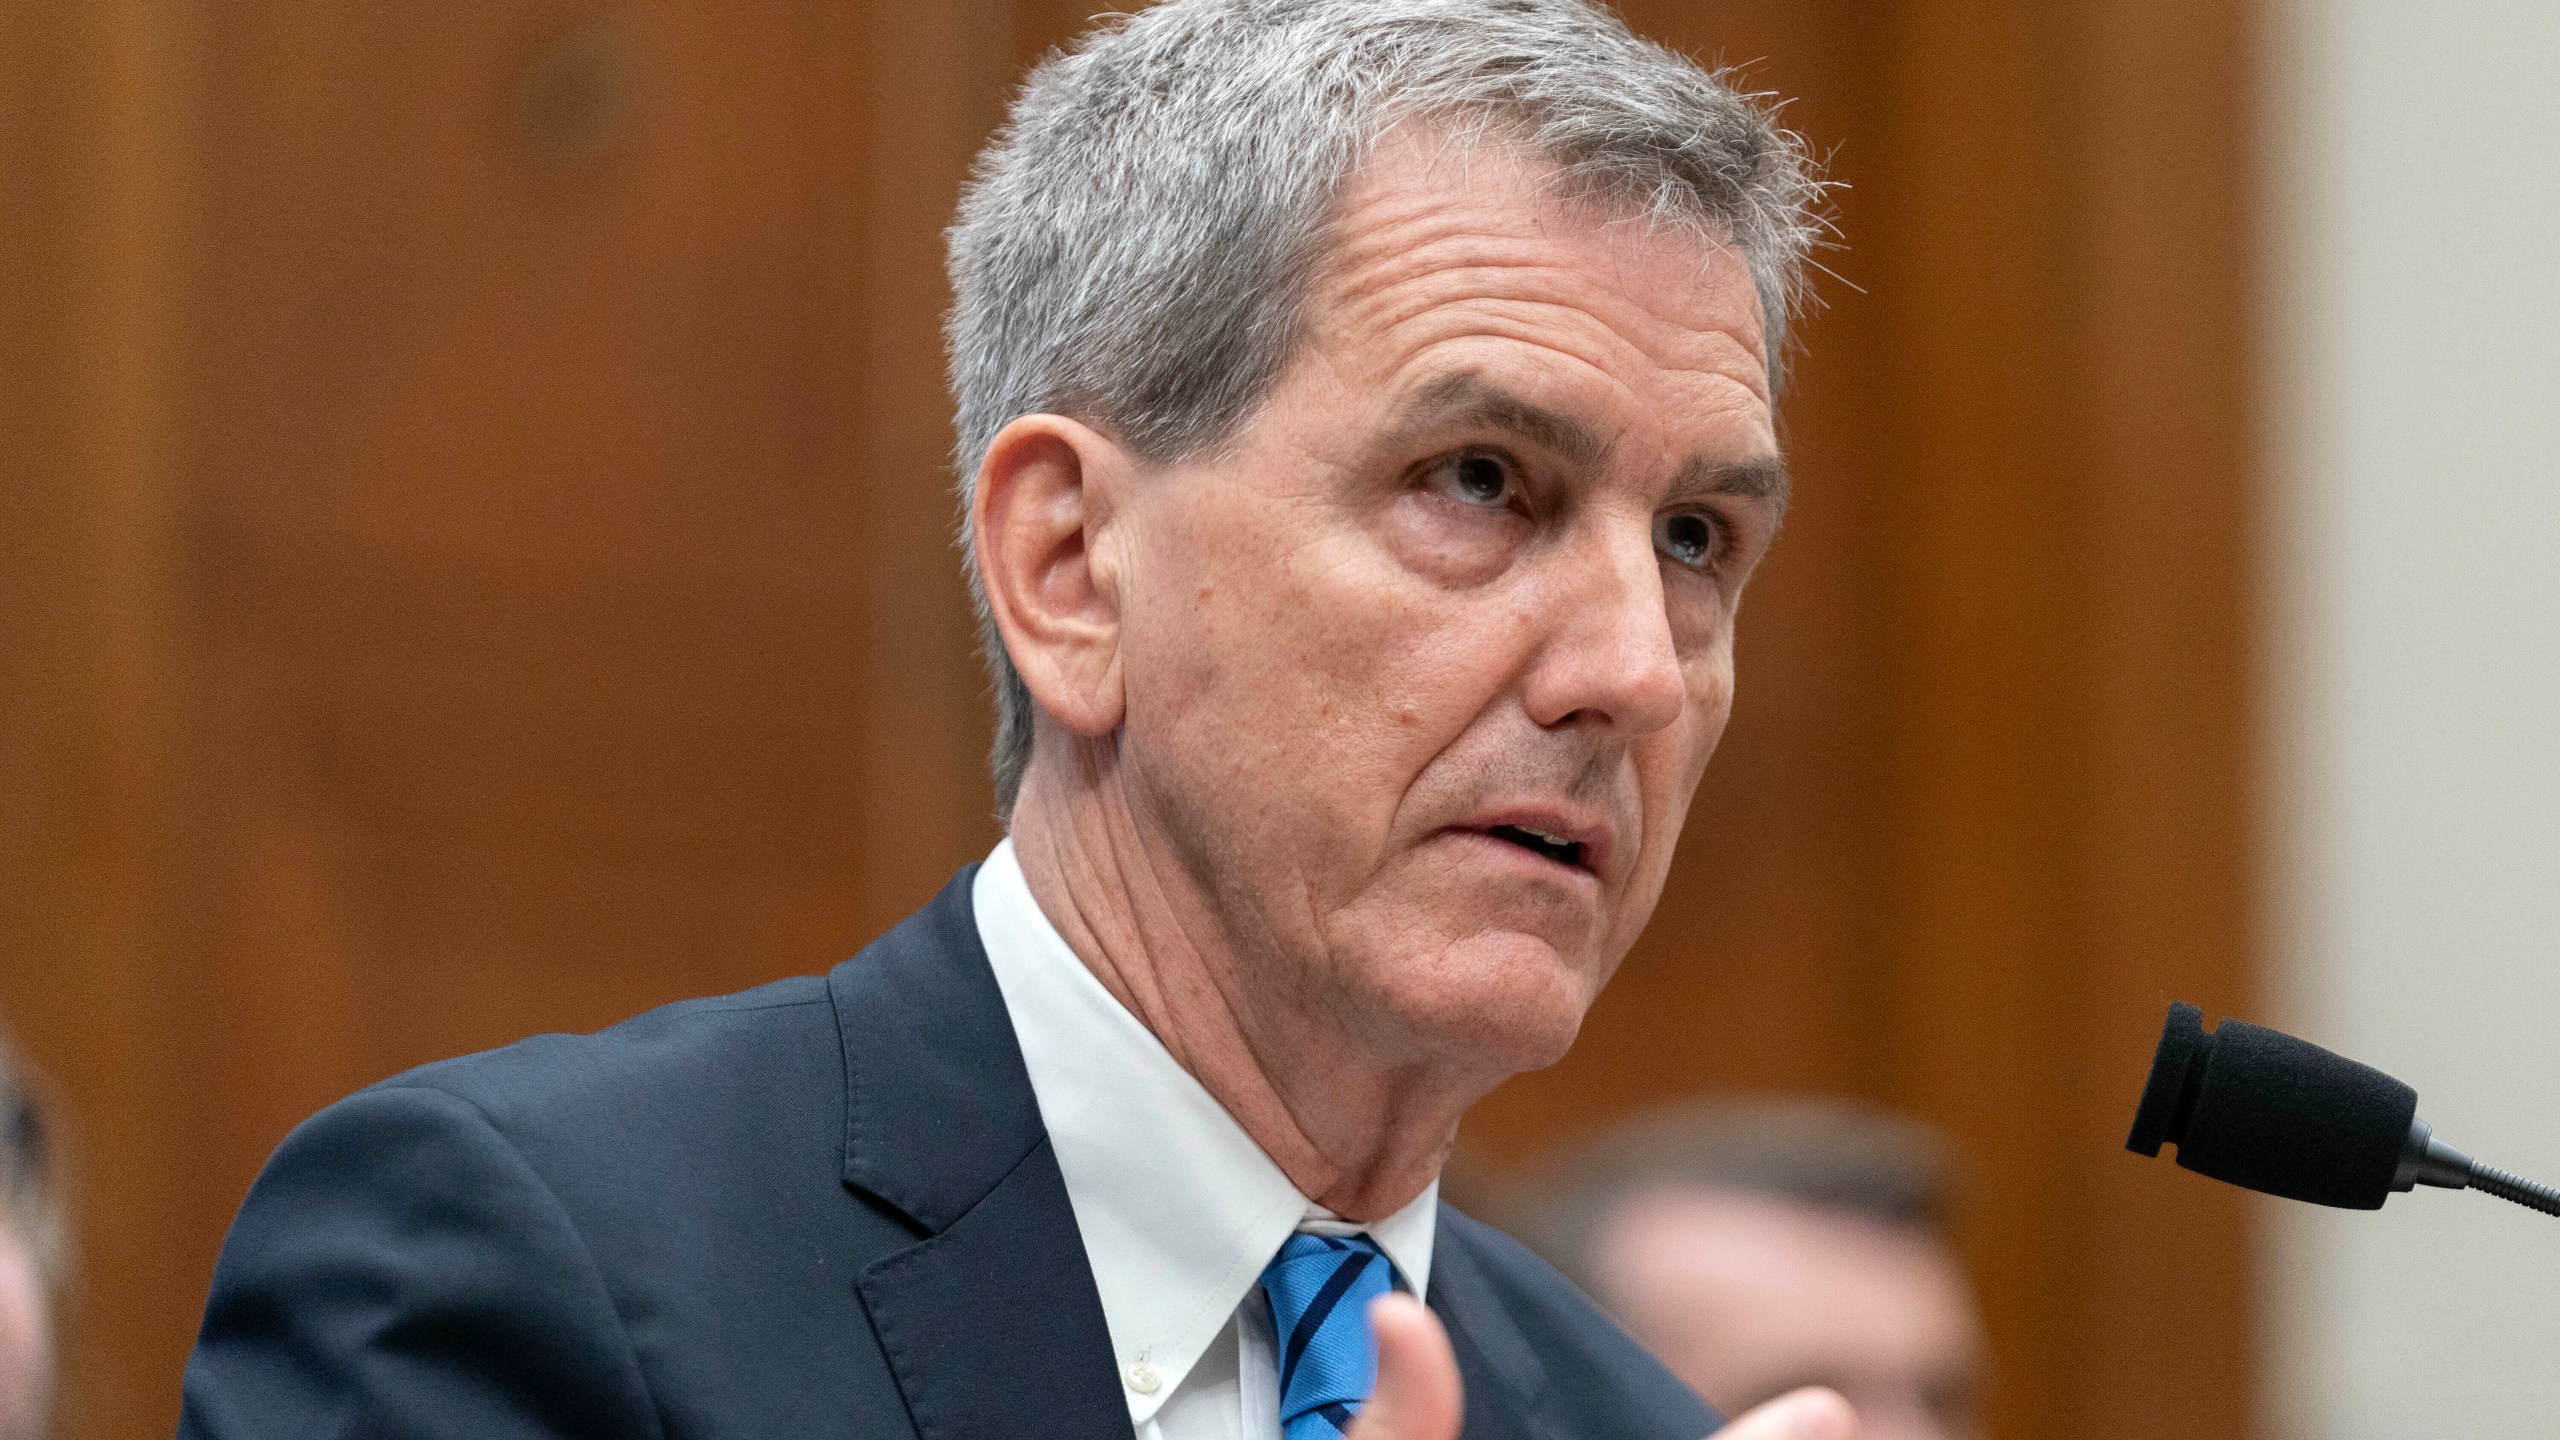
(2414, 250)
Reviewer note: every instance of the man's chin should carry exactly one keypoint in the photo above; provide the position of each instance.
(1500, 1000)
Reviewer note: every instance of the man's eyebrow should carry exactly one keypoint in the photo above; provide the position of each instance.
(1466, 397)
(1761, 479)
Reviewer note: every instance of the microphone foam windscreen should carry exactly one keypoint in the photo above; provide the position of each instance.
(2261, 1109)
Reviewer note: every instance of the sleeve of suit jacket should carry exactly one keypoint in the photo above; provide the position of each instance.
(399, 1271)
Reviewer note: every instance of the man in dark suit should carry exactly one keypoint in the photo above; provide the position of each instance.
(1366, 412)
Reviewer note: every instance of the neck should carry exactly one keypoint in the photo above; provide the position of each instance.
(1356, 1131)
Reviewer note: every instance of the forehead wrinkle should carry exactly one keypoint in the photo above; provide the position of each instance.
(1398, 279)
(1413, 321)
(1380, 279)
(1542, 299)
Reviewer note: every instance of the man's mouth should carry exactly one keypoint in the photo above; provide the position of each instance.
(1539, 842)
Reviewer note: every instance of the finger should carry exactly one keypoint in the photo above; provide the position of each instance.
(1418, 1396)
(1808, 1414)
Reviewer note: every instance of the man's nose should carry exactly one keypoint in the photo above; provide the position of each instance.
(1609, 660)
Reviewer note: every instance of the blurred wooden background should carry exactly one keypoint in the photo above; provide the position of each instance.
(473, 560)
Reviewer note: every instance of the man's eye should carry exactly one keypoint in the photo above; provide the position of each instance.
(1475, 479)
(1689, 539)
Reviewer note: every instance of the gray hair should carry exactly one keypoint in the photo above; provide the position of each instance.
(1134, 247)
(1829, 1155)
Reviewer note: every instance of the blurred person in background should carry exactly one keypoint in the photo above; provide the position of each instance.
(1760, 1246)
(30, 1258)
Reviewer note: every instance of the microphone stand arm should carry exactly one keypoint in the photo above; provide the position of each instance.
(2426, 1160)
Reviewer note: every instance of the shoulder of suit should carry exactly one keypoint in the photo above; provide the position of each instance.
(671, 1063)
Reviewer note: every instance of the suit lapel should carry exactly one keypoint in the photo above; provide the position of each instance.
(990, 1321)
(1500, 1370)
(993, 1327)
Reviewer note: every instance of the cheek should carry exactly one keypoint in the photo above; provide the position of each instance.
(1710, 706)
(1283, 668)
(1670, 762)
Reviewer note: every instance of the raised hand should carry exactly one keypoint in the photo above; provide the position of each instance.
(1418, 1396)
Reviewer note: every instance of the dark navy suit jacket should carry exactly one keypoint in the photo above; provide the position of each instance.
(826, 1207)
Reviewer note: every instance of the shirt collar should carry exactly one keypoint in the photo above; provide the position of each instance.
(1179, 1208)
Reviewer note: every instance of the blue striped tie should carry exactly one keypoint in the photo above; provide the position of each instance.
(1320, 1287)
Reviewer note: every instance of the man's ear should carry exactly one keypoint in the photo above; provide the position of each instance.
(1045, 490)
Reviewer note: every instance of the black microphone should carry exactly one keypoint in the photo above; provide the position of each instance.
(2260, 1109)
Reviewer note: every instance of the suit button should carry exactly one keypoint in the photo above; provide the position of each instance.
(1142, 1377)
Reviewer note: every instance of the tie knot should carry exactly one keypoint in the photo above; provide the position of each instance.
(1320, 1287)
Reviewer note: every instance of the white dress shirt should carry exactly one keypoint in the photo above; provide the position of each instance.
(1179, 1208)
